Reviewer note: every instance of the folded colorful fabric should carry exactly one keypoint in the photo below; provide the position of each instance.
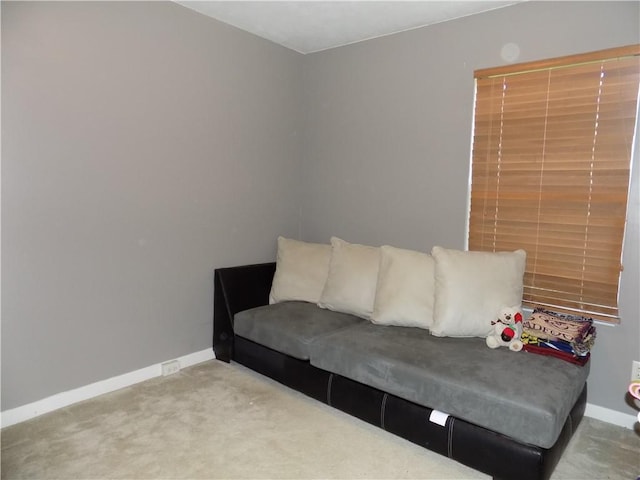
(551, 325)
(569, 337)
(557, 354)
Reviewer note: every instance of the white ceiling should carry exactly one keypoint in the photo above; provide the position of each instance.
(311, 26)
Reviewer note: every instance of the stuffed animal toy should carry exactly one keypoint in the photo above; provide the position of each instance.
(507, 330)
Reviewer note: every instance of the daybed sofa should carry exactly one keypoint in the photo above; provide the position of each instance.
(507, 414)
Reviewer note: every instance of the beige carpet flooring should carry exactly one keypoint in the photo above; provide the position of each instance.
(222, 421)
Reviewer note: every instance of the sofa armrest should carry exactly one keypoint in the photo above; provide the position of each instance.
(236, 289)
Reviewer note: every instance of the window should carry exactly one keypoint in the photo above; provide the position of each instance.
(550, 173)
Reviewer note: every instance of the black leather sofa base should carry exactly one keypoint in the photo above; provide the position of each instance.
(241, 288)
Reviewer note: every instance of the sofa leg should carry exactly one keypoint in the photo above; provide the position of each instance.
(222, 353)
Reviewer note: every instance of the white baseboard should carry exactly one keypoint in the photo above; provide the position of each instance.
(610, 416)
(64, 399)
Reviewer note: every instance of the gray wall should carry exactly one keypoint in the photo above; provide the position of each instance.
(143, 144)
(388, 131)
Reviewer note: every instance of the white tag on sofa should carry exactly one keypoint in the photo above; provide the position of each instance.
(438, 417)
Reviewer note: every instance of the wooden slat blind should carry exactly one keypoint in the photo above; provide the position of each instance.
(550, 173)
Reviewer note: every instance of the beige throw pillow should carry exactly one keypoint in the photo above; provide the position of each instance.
(353, 275)
(472, 287)
(405, 291)
(301, 271)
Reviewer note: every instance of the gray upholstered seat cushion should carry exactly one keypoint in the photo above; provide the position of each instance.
(290, 327)
(523, 395)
